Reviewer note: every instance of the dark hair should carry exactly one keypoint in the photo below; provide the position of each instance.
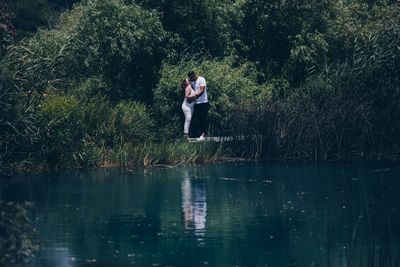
(191, 73)
(183, 83)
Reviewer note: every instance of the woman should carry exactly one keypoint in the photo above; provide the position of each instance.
(187, 105)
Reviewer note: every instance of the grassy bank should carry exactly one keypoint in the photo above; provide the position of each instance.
(317, 80)
(180, 152)
(129, 155)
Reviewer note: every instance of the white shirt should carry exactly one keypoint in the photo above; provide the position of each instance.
(196, 85)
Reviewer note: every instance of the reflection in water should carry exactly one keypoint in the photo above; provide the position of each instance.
(275, 215)
(194, 205)
(58, 256)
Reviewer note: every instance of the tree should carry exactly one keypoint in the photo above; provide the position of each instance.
(207, 27)
(121, 44)
(279, 32)
(29, 15)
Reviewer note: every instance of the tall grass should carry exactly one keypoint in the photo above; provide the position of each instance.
(99, 87)
(345, 109)
(180, 152)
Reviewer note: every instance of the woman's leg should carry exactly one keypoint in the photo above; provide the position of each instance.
(188, 117)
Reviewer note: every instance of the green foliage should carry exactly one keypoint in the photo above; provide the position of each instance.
(62, 128)
(30, 15)
(96, 116)
(39, 63)
(169, 153)
(109, 125)
(309, 51)
(345, 107)
(277, 31)
(309, 78)
(91, 88)
(206, 26)
(121, 44)
(55, 109)
(279, 88)
(18, 125)
(73, 135)
(131, 122)
(18, 241)
(230, 91)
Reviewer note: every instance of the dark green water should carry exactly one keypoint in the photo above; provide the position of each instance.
(217, 215)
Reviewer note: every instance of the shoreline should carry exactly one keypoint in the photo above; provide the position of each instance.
(18, 168)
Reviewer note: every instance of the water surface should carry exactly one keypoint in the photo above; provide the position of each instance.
(217, 215)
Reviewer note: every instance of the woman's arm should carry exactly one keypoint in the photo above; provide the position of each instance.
(189, 97)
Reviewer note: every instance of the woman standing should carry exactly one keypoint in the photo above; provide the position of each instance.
(187, 105)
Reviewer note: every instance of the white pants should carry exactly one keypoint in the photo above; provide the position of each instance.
(187, 109)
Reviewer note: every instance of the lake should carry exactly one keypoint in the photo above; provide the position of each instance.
(242, 214)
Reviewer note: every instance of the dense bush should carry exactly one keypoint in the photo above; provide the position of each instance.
(312, 78)
(131, 122)
(91, 88)
(18, 125)
(29, 15)
(69, 130)
(294, 80)
(96, 115)
(230, 90)
(37, 64)
(281, 32)
(119, 43)
(122, 43)
(346, 107)
(206, 26)
(62, 128)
